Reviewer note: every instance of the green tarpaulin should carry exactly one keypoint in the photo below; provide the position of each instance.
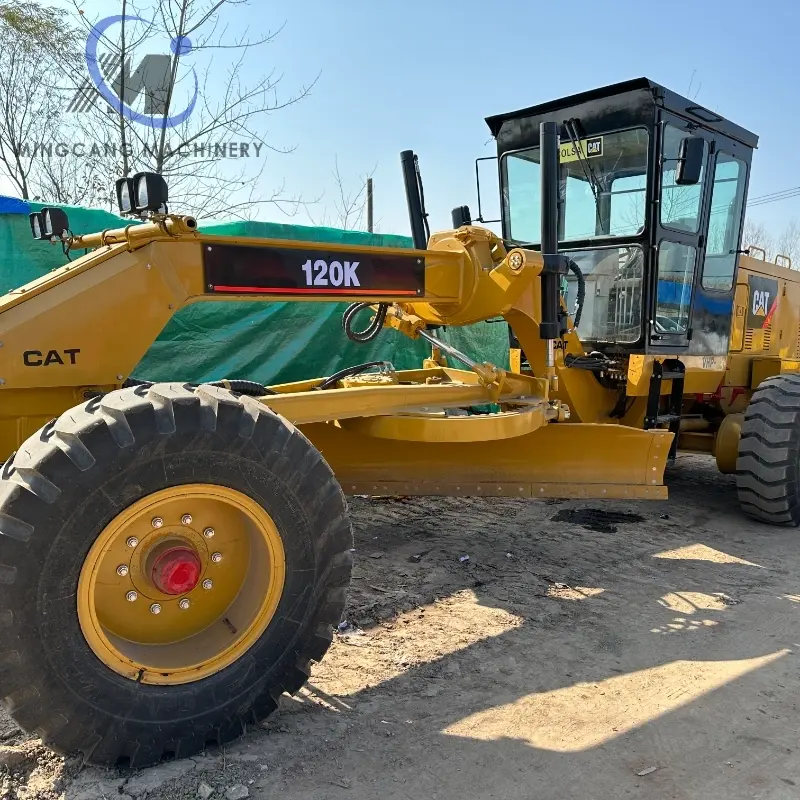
(266, 342)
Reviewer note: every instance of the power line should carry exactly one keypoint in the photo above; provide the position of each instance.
(773, 197)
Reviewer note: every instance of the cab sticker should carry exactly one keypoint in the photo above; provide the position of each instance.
(589, 148)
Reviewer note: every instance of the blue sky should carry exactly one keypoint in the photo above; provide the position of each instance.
(423, 74)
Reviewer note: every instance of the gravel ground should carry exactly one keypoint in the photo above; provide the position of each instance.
(585, 649)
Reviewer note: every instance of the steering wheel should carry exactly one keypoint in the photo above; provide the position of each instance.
(667, 324)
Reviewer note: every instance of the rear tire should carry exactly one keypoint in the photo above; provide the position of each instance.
(768, 466)
(71, 480)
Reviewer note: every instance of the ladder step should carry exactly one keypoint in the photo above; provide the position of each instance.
(662, 419)
(669, 376)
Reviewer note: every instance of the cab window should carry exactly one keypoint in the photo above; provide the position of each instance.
(601, 187)
(676, 264)
(627, 205)
(724, 222)
(680, 205)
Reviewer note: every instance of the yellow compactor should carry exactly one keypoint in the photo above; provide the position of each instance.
(173, 556)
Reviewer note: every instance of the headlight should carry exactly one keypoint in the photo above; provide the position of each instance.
(37, 229)
(150, 192)
(54, 222)
(141, 192)
(125, 195)
(49, 223)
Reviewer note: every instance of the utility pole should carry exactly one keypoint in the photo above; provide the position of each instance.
(369, 206)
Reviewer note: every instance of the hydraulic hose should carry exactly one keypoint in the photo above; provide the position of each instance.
(357, 369)
(374, 327)
(581, 296)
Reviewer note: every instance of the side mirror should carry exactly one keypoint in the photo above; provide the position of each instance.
(487, 182)
(691, 155)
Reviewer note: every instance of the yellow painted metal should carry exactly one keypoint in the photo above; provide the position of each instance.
(774, 347)
(739, 370)
(543, 491)
(696, 442)
(134, 281)
(764, 367)
(741, 299)
(703, 374)
(435, 426)
(578, 389)
(129, 292)
(435, 388)
(592, 456)
(726, 443)
(223, 620)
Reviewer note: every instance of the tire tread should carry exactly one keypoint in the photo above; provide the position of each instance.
(124, 419)
(768, 465)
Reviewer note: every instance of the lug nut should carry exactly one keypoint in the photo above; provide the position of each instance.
(208, 584)
(122, 570)
(157, 522)
(131, 597)
(208, 533)
(216, 558)
(155, 608)
(133, 542)
(186, 519)
(184, 604)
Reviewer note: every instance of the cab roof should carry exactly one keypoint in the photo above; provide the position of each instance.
(662, 96)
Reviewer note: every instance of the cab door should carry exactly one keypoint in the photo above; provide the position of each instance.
(714, 313)
(679, 238)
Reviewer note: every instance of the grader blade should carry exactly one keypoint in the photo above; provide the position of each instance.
(557, 460)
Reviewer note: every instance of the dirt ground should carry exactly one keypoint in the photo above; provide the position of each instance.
(584, 650)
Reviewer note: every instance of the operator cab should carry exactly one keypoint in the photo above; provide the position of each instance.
(652, 190)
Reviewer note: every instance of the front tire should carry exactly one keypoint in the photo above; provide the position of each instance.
(768, 466)
(88, 507)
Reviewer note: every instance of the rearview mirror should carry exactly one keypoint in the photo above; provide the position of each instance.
(488, 190)
(691, 155)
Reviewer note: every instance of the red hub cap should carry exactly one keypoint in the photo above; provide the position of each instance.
(176, 571)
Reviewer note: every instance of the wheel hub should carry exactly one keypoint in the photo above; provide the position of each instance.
(175, 570)
(159, 604)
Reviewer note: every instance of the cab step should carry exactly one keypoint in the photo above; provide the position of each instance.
(668, 370)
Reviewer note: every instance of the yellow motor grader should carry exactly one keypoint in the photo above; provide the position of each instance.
(173, 556)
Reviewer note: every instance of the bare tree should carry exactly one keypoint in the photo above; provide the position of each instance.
(211, 145)
(348, 205)
(788, 243)
(42, 153)
(758, 235)
(29, 113)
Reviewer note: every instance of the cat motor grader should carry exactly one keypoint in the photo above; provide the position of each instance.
(173, 556)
